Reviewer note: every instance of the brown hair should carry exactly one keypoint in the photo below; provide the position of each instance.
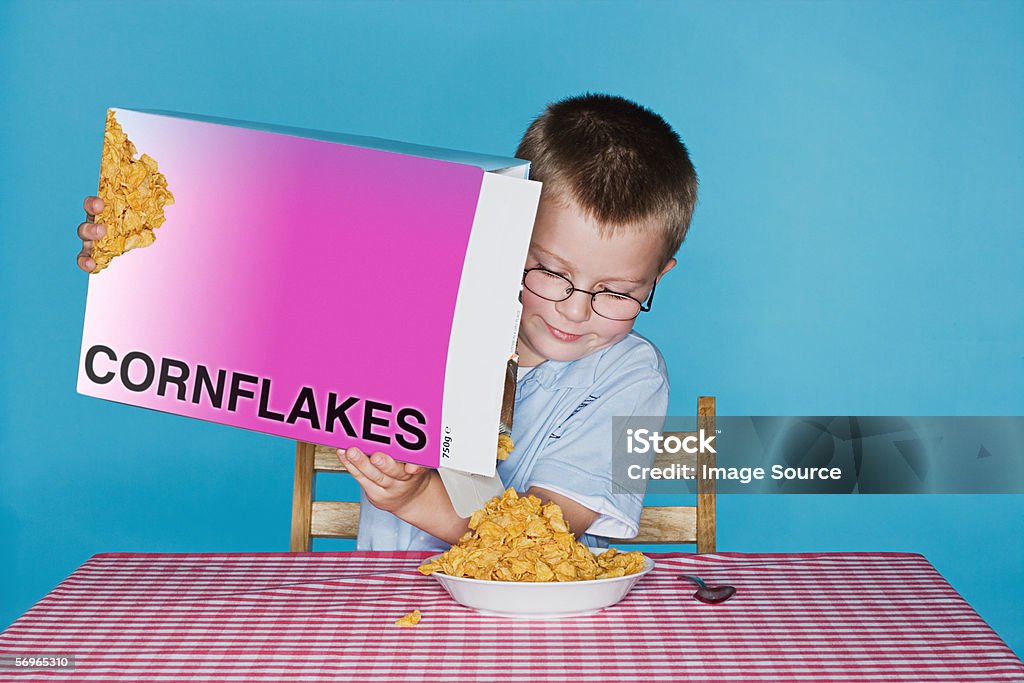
(620, 162)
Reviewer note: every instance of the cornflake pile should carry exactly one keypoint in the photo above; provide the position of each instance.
(134, 195)
(517, 538)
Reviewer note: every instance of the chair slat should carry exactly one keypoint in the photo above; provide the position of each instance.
(327, 460)
(662, 460)
(327, 457)
(333, 519)
(665, 524)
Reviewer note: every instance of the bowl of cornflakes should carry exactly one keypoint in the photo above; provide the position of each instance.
(520, 559)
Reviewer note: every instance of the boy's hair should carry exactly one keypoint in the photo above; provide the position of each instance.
(620, 162)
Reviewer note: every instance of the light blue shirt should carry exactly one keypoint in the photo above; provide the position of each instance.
(563, 441)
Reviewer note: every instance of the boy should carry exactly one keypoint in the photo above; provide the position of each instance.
(618, 194)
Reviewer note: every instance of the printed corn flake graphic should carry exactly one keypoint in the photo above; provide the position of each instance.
(134, 195)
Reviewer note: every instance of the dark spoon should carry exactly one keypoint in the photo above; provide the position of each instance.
(711, 595)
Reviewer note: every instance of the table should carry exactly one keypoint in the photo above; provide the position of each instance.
(318, 616)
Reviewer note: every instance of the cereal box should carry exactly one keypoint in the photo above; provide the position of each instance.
(335, 289)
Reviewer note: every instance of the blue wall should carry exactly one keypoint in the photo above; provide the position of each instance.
(856, 250)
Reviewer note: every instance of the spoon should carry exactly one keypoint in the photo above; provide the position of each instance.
(712, 595)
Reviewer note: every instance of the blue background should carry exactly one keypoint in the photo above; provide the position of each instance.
(857, 248)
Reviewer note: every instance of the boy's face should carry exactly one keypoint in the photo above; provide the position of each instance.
(567, 242)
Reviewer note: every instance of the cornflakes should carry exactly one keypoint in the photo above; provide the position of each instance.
(134, 195)
(504, 446)
(410, 619)
(515, 538)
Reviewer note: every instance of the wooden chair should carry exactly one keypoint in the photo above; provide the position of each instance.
(682, 524)
(677, 524)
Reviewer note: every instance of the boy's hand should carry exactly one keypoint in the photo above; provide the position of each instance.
(389, 484)
(90, 232)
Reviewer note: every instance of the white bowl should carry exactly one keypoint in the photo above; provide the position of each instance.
(540, 599)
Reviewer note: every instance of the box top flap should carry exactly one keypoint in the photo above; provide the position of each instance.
(487, 162)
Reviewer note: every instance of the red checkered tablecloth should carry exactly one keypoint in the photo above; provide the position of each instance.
(329, 616)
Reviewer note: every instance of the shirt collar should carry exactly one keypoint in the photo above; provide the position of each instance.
(554, 374)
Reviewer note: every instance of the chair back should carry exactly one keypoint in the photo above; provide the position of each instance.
(676, 524)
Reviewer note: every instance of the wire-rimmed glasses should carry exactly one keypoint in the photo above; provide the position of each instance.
(612, 305)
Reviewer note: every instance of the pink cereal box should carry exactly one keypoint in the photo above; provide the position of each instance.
(335, 289)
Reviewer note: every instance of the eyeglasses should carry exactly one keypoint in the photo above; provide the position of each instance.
(611, 305)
